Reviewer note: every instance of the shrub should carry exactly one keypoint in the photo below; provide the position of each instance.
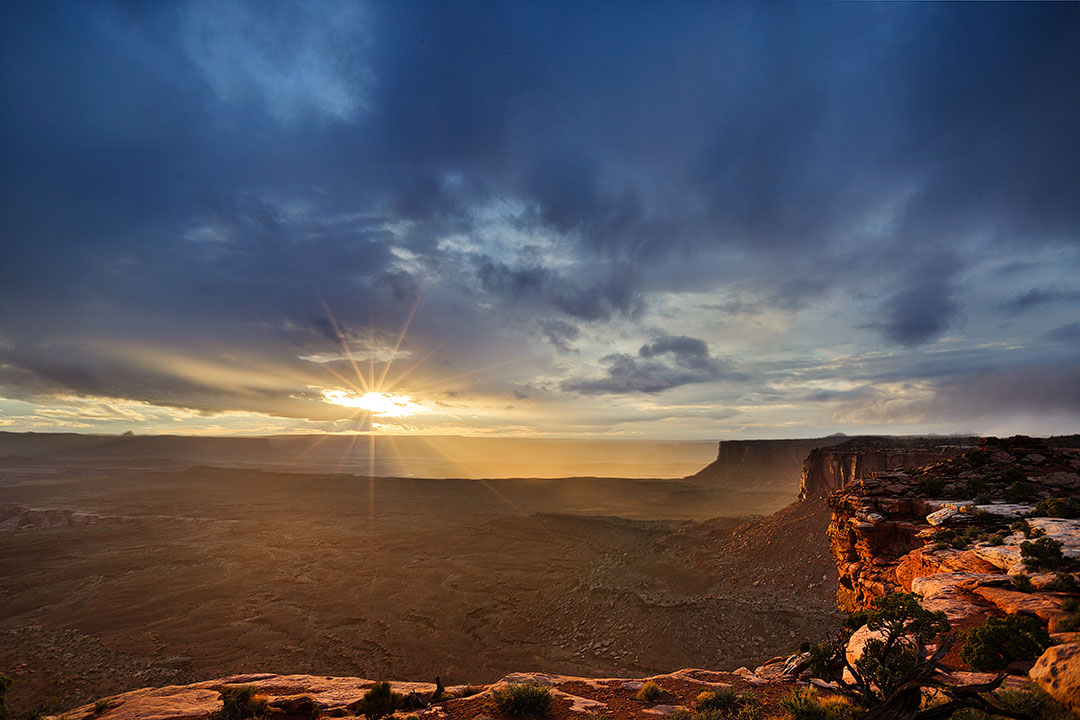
(722, 699)
(1021, 491)
(805, 704)
(888, 679)
(999, 641)
(379, 701)
(652, 692)
(976, 457)
(5, 684)
(929, 485)
(1042, 553)
(1058, 507)
(1022, 583)
(1012, 475)
(524, 700)
(241, 703)
(103, 705)
(982, 498)
(1031, 702)
(1022, 526)
(1064, 582)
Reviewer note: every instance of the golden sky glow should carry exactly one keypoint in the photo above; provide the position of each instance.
(377, 403)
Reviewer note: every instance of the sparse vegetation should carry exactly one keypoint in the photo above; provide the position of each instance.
(889, 677)
(524, 700)
(1072, 622)
(243, 703)
(5, 684)
(1000, 641)
(722, 699)
(1022, 582)
(469, 691)
(1064, 582)
(1031, 702)
(1012, 475)
(1021, 491)
(1043, 553)
(1058, 507)
(805, 704)
(379, 701)
(652, 692)
(103, 705)
(1023, 526)
(930, 485)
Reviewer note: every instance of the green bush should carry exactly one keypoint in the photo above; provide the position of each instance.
(722, 699)
(929, 485)
(524, 700)
(1022, 526)
(1031, 702)
(652, 692)
(724, 703)
(805, 704)
(993, 645)
(379, 701)
(982, 498)
(1012, 475)
(242, 703)
(103, 705)
(1044, 553)
(1064, 582)
(5, 684)
(976, 457)
(1021, 491)
(1058, 507)
(1022, 583)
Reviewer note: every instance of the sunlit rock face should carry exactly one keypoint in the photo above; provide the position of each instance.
(887, 534)
(1058, 673)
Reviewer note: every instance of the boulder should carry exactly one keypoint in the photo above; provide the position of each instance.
(940, 517)
(1057, 671)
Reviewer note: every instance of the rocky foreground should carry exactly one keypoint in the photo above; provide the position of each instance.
(970, 532)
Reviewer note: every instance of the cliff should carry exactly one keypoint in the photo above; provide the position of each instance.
(762, 464)
(828, 469)
(956, 532)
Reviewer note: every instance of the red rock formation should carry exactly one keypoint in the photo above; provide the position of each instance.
(829, 469)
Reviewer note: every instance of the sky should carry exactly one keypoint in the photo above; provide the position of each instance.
(602, 219)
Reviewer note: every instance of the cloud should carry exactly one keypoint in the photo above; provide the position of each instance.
(926, 306)
(1037, 297)
(665, 363)
(296, 61)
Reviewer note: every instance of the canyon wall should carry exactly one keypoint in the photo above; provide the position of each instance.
(762, 464)
(828, 469)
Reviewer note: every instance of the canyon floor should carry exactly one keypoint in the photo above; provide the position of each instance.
(117, 578)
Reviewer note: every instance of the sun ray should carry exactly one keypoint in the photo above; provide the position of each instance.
(397, 345)
(344, 344)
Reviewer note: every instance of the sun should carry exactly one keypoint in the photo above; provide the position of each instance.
(377, 403)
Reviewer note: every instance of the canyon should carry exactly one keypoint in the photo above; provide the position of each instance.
(875, 515)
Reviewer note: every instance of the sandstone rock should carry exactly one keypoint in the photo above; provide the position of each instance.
(1057, 672)
(951, 592)
(660, 709)
(1002, 457)
(1012, 602)
(1062, 638)
(940, 517)
(1066, 480)
(1035, 458)
(1007, 510)
(1007, 557)
(1065, 531)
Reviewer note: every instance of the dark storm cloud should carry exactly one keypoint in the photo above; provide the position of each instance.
(665, 363)
(925, 307)
(191, 173)
(1068, 333)
(1039, 296)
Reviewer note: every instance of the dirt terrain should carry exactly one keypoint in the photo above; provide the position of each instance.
(115, 579)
